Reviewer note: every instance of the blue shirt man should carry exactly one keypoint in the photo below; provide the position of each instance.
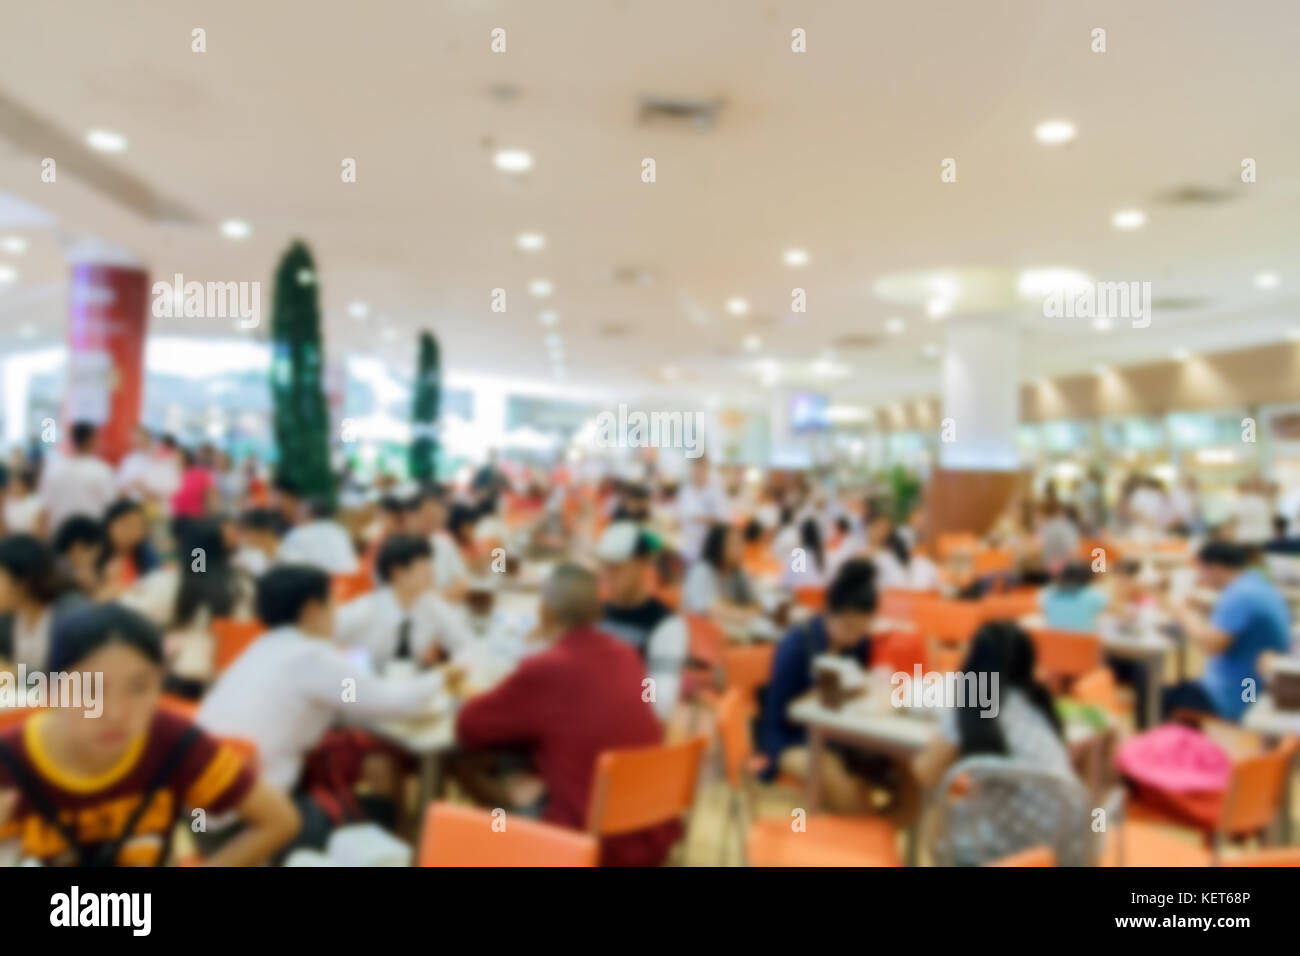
(1255, 618)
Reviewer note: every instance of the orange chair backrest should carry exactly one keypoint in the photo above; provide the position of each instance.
(1066, 653)
(813, 598)
(734, 735)
(1034, 856)
(746, 669)
(992, 561)
(955, 621)
(643, 786)
(705, 639)
(901, 604)
(1009, 606)
(952, 542)
(232, 637)
(466, 836)
(1097, 687)
(1256, 789)
(1109, 551)
(900, 651)
(349, 586)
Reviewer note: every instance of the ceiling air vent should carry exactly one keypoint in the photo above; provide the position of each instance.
(664, 110)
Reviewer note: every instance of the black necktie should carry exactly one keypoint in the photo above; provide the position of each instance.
(404, 640)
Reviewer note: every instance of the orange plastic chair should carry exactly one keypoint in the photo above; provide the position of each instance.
(953, 542)
(813, 598)
(1011, 605)
(1111, 554)
(1065, 655)
(747, 668)
(349, 586)
(1142, 844)
(992, 561)
(900, 651)
(640, 787)
(1035, 856)
(232, 637)
(899, 604)
(1256, 790)
(826, 841)
(951, 621)
(465, 836)
(1098, 688)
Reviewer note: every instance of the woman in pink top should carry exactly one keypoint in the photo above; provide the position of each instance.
(197, 484)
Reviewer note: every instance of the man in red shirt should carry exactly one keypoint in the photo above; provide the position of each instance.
(566, 704)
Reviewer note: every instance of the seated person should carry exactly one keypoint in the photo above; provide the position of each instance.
(33, 592)
(405, 619)
(107, 786)
(1025, 729)
(1250, 619)
(897, 568)
(320, 542)
(806, 568)
(259, 532)
(716, 585)
(128, 554)
(842, 629)
(78, 542)
(293, 684)
(1073, 601)
(566, 704)
(636, 616)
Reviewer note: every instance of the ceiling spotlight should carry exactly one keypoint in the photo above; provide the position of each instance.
(796, 258)
(1055, 132)
(1103, 324)
(530, 241)
(894, 325)
(1267, 280)
(512, 161)
(358, 309)
(548, 317)
(8, 274)
(540, 288)
(752, 343)
(106, 141)
(236, 229)
(1129, 219)
(1040, 283)
(13, 245)
(737, 306)
(937, 308)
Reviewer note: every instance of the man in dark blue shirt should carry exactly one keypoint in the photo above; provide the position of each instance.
(842, 629)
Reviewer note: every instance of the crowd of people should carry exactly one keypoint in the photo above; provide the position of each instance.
(364, 610)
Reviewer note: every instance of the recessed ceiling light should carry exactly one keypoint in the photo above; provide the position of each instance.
(1054, 132)
(1039, 283)
(13, 245)
(106, 141)
(737, 306)
(512, 161)
(795, 258)
(530, 241)
(894, 325)
(1267, 280)
(358, 309)
(540, 288)
(548, 317)
(1129, 219)
(1182, 355)
(752, 343)
(937, 308)
(236, 229)
(1103, 324)
(8, 274)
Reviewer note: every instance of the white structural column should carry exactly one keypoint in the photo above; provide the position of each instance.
(980, 385)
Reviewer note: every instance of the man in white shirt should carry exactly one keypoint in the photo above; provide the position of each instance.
(320, 542)
(701, 503)
(78, 483)
(427, 515)
(404, 620)
(293, 684)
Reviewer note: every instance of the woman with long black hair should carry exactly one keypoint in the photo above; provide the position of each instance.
(33, 591)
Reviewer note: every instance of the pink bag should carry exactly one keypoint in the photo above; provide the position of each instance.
(1175, 759)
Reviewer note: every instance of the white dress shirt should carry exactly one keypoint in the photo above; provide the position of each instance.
(76, 485)
(697, 509)
(448, 564)
(287, 689)
(372, 622)
(322, 544)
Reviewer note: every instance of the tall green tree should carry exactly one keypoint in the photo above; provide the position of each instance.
(301, 415)
(427, 402)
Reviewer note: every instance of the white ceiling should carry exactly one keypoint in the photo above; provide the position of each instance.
(836, 151)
